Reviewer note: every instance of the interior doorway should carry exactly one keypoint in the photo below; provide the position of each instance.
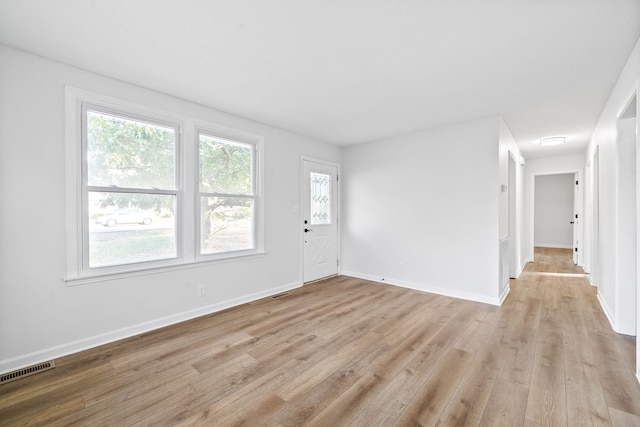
(576, 219)
(595, 264)
(554, 210)
(626, 220)
(514, 241)
(629, 210)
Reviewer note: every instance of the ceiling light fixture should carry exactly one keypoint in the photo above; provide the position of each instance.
(555, 140)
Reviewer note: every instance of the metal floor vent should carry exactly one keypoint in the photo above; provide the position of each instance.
(282, 295)
(25, 372)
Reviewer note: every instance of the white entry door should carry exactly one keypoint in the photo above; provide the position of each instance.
(320, 220)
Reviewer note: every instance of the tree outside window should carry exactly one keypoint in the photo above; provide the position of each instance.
(132, 192)
(227, 196)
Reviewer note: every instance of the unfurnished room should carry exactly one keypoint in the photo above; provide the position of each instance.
(323, 213)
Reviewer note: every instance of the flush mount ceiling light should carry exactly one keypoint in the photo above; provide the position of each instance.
(555, 140)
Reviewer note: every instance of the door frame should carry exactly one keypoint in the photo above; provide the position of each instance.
(576, 235)
(629, 110)
(300, 209)
(513, 223)
(578, 208)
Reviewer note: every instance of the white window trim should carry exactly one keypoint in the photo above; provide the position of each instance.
(178, 191)
(188, 255)
(254, 196)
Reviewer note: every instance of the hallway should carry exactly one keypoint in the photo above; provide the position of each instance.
(553, 260)
(578, 359)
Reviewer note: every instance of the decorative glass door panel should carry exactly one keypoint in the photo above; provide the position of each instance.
(320, 198)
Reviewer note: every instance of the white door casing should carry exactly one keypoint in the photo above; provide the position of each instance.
(320, 220)
(576, 217)
(513, 223)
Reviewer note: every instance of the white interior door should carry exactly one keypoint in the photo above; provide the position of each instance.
(596, 250)
(575, 219)
(320, 220)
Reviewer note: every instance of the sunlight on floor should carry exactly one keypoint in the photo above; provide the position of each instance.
(540, 273)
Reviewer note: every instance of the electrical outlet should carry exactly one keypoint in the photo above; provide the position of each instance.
(202, 290)
(402, 266)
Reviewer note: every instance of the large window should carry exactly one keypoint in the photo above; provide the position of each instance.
(227, 194)
(149, 189)
(130, 192)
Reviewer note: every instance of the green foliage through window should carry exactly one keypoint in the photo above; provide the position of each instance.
(127, 153)
(131, 189)
(226, 188)
(132, 196)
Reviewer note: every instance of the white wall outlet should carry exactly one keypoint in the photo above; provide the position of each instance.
(402, 266)
(202, 290)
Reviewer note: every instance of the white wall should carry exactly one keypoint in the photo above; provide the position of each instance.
(422, 210)
(40, 316)
(553, 210)
(548, 166)
(616, 287)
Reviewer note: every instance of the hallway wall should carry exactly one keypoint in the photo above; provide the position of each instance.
(616, 289)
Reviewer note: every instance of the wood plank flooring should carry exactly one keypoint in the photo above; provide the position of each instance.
(348, 352)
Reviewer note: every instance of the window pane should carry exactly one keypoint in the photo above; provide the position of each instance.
(130, 228)
(128, 153)
(226, 224)
(320, 198)
(225, 167)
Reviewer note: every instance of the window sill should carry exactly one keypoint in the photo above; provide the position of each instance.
(104, 277)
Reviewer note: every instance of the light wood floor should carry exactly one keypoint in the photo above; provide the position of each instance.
(350, 352)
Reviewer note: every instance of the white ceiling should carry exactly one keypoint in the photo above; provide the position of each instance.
(352, 71)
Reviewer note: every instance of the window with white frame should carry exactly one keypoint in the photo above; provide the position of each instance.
(227, 194)
(130, 191)
(149, 189)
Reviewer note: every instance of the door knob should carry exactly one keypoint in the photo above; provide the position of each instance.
(306, 230)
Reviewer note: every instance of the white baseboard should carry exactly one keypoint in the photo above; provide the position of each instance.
(609, 314)
(605, 309)
(427, 288)
(40, 356)
(505, 292)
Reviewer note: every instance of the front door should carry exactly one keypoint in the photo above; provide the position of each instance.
(320, 220)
